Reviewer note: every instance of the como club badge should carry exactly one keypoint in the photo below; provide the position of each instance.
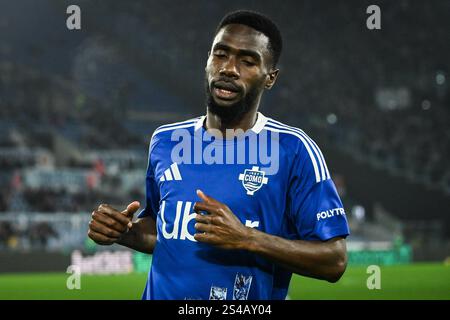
(253, 180)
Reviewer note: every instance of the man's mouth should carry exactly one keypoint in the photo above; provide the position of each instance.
(225, 94)
(225, 91)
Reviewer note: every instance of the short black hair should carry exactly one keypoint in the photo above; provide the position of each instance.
(259, 22)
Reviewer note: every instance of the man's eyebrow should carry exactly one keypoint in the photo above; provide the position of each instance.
(242, 52)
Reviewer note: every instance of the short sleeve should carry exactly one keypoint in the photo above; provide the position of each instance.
(151, 188)
(314, 204)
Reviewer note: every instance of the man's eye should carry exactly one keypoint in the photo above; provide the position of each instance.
(248, 63)
(219, 55)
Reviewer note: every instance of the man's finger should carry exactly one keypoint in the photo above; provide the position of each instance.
(104, 230)
(100, 238)
(203, 218)
(109, 222)
(113, 213)
(203, 227)
(204, 197)
(206, 238)
(209, 219)
(203, 206)
(131, 209)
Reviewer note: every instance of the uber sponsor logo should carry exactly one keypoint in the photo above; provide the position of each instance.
(330, 213)
(188, 216)
(183, 216)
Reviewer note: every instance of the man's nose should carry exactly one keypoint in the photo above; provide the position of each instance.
(229, 69)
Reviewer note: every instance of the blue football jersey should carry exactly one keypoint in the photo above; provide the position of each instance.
(273, 177)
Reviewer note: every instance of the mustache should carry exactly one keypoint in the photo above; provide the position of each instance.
(226, 84)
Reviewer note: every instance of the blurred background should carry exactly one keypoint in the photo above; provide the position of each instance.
(78, 107)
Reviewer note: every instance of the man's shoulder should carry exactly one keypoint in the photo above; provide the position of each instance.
(296, 142)
(293, 139)
(166, 130)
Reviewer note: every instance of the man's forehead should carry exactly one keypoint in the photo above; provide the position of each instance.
(240, 36)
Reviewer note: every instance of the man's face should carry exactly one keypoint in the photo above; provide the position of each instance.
(237, 70)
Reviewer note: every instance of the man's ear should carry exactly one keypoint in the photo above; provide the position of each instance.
(271, 78)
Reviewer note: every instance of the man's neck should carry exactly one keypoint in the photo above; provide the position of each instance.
(244, 123)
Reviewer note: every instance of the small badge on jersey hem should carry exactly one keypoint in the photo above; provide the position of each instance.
(253, 179)
(218, 293)
(241, 286)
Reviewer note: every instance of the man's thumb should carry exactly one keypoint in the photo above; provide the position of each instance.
(131, 209)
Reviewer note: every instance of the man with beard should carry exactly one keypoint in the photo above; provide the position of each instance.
(233, 231)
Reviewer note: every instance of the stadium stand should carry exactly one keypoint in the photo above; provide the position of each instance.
(381, 99)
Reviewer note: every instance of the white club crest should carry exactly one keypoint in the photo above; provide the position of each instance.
(253, 180)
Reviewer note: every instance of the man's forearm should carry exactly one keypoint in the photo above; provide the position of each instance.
(140, 237)
(322, 260)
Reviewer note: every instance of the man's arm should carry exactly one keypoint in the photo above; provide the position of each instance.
(323, 260)
(141, 236)
(109, 226)
(326, 260)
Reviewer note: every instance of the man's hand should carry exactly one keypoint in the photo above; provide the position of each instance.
(220, 227)
(108, 225)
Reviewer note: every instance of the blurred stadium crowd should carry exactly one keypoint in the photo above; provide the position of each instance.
(77, 109)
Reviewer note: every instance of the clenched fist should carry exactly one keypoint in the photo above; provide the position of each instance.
(108, 225)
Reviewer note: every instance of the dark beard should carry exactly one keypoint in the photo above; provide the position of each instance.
(234, 111)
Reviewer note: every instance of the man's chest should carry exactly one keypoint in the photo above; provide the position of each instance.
(257, 199)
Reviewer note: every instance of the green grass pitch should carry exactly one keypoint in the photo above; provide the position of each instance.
(414, 281)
